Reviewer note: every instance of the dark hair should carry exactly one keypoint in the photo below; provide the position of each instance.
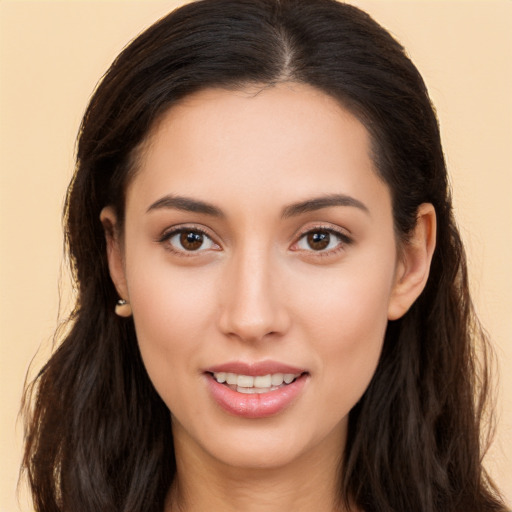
(414, 437)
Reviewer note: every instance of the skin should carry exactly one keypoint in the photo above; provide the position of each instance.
(256, 289)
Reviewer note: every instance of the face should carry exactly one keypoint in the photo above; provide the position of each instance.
(261, 265)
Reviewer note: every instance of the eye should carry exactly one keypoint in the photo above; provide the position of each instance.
(321, 240)
(189, 240)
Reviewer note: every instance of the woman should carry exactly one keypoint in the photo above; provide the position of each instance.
(273, 310)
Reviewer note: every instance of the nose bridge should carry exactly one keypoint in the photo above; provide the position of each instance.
(252, 306)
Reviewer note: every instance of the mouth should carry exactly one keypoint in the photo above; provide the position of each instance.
(256, 384)
(256, 390)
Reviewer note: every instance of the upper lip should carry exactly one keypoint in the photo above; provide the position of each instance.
(255, 368)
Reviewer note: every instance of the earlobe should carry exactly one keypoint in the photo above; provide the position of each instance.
(414, 265)
(115, 258)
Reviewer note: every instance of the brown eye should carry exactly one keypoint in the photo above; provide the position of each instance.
(318, 240)
(322, 240)
(191, 240)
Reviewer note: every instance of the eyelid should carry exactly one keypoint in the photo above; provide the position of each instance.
(340, 233)
(174, 230)
(337, 231)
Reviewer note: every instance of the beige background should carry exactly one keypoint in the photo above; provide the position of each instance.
(53, 53)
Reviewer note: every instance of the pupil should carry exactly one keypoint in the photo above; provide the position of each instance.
(319, 240)
(191, 240)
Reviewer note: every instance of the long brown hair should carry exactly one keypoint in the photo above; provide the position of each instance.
(98, 436)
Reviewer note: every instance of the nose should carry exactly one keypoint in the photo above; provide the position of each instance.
(253, 304)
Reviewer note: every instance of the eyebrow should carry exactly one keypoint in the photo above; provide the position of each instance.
(186, 204)
(317, 203)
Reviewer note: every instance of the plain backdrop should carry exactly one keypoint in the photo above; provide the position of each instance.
(52, 55)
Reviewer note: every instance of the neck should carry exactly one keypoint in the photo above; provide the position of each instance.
(204, 483)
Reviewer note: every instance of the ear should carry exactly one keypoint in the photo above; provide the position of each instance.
(414, 263)
(115, 256)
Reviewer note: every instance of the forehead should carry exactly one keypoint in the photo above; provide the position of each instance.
(287, 140)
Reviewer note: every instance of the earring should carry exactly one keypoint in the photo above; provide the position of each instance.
(123, 308)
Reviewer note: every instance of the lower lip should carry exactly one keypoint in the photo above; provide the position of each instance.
(257, 405)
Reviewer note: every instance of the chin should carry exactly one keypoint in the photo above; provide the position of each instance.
(269, 444)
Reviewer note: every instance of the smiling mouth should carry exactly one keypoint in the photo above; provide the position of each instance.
(258, 384)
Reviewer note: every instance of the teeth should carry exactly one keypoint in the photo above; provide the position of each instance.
(221, 377)
(263, 382)
(253, 391)
(288, 378)
(231, 378)
(259, 384)
(245, 381)
(277, 379)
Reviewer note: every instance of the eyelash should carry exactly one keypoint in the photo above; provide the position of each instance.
(343, 240)
(168, 235)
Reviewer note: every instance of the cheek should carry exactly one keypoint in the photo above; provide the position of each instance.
(349, 321)
(349, 302)
(172, 314)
